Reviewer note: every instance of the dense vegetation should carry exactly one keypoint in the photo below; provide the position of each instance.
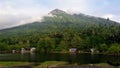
(60, 31)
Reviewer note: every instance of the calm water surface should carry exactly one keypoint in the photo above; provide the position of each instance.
(70, 58)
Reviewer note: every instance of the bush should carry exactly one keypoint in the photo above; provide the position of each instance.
(114, 49)
(3, 47)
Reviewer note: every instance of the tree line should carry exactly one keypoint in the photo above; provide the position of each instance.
(97, 38)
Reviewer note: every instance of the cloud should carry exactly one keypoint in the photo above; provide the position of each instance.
(112, 17)
(23, 12)
(17, 12)
(30, 20)
(109, 16)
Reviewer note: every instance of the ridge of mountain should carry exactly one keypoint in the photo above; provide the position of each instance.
(57, 11)
(60, 21)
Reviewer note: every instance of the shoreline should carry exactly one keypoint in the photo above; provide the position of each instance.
(53, 64)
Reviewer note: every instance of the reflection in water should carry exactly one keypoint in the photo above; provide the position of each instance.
(77, 59)
(114, 60)
(72, 58)
(32, 56)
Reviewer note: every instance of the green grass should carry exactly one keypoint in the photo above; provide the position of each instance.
(105, 65)
(46, 64)
(14, 63)
(51, 64)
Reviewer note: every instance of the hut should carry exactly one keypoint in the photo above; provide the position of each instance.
(73, 50)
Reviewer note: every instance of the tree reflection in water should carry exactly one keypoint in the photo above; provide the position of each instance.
(114, 60)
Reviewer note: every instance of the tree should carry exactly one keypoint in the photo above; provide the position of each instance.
(45, 44)
(102, 47)
(3, 47)
(114, 49)
(76, 41)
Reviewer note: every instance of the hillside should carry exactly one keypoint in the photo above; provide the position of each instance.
(59, 20)
(67, 30)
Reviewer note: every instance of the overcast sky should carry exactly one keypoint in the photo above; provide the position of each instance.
(17, 12)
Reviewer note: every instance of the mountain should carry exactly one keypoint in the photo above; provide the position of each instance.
(59, 21)
(64, 30)
(57, 11)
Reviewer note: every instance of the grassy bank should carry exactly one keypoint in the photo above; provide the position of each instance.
(9, 64)
(40, 65)
(51, 64)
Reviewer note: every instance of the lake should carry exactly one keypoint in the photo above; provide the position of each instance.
(70, 58)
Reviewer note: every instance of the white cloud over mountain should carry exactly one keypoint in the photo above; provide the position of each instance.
(17, 12)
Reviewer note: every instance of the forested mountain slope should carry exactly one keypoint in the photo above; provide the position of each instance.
(61, 31)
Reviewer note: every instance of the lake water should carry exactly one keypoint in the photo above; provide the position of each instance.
(70, 58)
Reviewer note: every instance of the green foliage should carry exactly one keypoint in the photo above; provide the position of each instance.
(114, 49)
(61, 32)
(102, 48)
(3, 47)
(46, 44)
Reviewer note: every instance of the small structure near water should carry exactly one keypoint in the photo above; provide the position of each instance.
(22, 50)
(13, 51)
(32, 50)
(92, 50)
(73, 50)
